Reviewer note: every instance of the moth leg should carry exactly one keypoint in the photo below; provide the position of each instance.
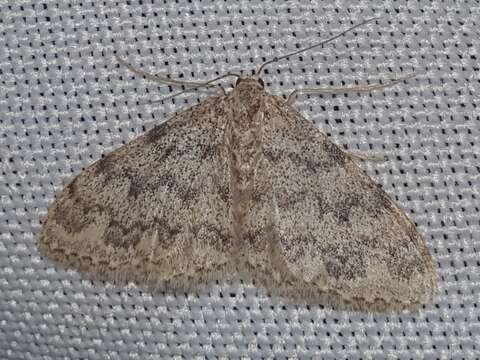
(355, 155)
(365, 157)
(343, 89)
(221, 90)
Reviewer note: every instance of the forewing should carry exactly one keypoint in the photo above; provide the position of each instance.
(155, 209)
(332, 229)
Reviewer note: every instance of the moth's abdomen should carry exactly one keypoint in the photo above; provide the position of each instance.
(244, 144)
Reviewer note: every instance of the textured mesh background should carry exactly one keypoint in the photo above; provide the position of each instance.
(64, 101)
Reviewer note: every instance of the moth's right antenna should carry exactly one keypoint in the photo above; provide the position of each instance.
(275, 59)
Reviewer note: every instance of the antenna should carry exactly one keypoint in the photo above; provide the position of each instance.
(175, 82)
(323, 42)
(207, 84)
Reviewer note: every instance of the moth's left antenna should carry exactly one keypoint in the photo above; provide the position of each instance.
(190, 85)
(207, 84)
(321, 43)
(175, 82)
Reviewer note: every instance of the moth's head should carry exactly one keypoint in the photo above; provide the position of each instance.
(249, 91)
(250, 82)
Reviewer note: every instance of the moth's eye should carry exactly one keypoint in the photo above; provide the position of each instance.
(260, 81)
(238, 81)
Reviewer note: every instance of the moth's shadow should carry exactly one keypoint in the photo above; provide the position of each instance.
(237, 287)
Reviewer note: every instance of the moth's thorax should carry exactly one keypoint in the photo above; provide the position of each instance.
(244, 143)
(247, 115)
(248, 96)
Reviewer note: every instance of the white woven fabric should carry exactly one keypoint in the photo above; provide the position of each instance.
(64, 101)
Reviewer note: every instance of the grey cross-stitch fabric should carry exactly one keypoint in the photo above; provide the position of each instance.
(64, 101)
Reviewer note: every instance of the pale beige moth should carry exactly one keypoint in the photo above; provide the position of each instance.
(241, 185)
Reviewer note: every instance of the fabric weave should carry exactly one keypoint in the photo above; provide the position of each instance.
(64, 101)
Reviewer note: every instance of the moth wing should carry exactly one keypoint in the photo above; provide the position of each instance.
(331, 229)
(155, 209)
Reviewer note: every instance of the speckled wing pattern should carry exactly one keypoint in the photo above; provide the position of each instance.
(242, 183)
(336, 234)
(156, 208)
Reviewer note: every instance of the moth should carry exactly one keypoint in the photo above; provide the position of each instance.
(242, 185)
